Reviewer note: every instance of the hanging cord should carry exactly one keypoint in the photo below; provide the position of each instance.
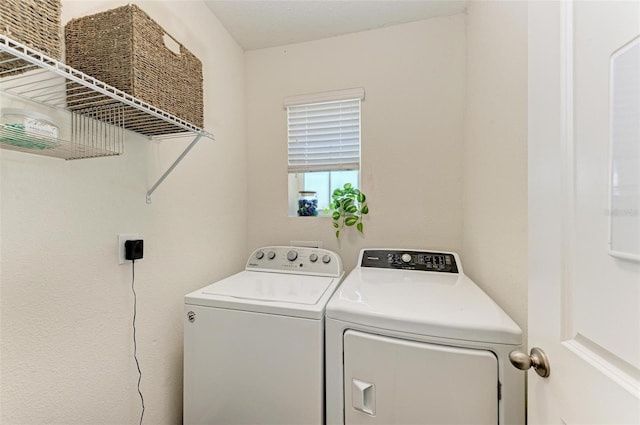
(135, 344)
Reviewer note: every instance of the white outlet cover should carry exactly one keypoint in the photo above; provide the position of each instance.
(122, 238)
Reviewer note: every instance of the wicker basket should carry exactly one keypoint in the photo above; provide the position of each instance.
(34, 23)
(125, 48)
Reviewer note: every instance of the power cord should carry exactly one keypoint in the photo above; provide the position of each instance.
(135, 344)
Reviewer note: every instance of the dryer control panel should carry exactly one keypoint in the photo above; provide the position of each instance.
(296, 260)
(444, 262)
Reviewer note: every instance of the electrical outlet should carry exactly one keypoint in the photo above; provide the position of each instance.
(122, 238)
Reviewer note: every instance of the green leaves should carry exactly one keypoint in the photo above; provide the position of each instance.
(347, 208)
(350, 221)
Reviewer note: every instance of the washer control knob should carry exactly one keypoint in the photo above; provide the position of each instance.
(292, 255)
(326, 258)
(271, 255)
(259, 255)
(406, 258)
(313, 257)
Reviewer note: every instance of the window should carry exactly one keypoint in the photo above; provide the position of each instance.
(323, 144)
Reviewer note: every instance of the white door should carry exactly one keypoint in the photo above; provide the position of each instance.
(583, 302)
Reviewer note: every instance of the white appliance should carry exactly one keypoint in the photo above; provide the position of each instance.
(254, 342)
(412, 340)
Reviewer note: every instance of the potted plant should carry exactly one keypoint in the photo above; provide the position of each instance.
(347, 208)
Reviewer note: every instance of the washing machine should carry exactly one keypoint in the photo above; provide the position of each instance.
(254, 342)
(411, 340)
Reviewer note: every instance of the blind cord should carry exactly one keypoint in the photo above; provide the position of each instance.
(135, 344)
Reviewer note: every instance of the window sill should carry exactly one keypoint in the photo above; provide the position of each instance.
(311, 216)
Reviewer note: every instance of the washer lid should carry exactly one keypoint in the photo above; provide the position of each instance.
(424, 303)
(275, 293)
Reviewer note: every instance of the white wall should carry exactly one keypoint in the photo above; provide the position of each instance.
(495, 153)
(412, 131)
(67, 351)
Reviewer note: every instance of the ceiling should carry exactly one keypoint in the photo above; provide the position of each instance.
(256, 24)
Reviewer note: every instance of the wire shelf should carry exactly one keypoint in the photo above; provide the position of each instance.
(15, 139)
(99, 112)
(30, 74)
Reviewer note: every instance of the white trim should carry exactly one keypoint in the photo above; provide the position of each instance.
(329, 96)
(605, 362)
(612, 211)
(567, 141)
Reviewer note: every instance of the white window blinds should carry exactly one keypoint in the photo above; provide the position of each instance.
(324, 136)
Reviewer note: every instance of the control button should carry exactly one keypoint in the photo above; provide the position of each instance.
(406, 258)
(326, 258)
(292, 255)
(259, 255)
(313, 257)
(271, 255)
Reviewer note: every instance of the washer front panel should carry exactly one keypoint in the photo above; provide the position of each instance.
(252, 368)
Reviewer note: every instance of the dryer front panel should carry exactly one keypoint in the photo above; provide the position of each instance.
(393, 381)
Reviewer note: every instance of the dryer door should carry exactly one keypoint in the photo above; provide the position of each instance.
(394, 381)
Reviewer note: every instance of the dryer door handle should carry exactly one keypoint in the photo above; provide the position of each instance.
(363, 396)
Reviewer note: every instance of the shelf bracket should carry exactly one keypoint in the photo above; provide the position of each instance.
(175, 163)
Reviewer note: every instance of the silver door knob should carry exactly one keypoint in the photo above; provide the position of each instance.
(537, 359)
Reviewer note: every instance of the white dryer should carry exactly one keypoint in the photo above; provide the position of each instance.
(412, 340)
(254, 342)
